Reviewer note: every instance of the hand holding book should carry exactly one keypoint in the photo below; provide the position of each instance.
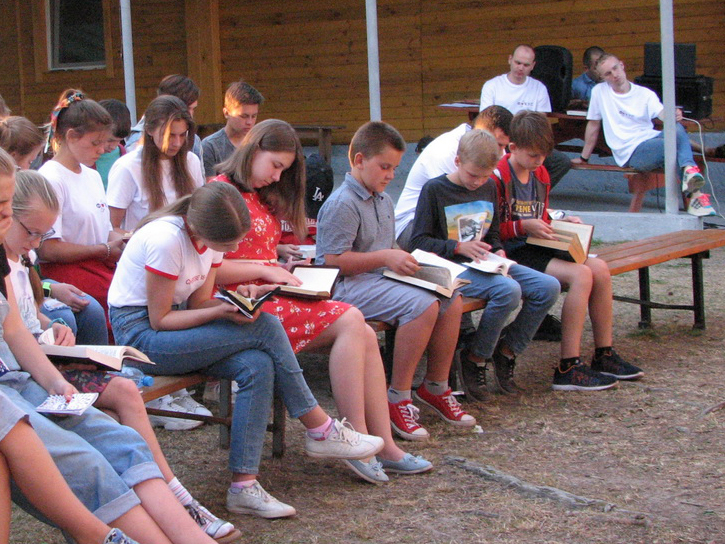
(401, 262)
(474, 250)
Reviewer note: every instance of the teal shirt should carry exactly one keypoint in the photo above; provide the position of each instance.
(104, 163)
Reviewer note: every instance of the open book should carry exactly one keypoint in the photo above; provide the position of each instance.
(317, 282)
(435, 274)
(574, 238)
(492, 264)
(247, 306)
(56, 404)
(109, 357)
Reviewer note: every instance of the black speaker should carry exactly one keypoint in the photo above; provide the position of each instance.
(694, 94)
(685, 56)
(554, 69)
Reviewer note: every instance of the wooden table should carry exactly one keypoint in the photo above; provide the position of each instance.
(321, 133)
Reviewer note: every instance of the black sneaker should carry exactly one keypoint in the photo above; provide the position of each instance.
(612, 364)
(473, 377)
(580, 377)
(503, 373)
(549, 330)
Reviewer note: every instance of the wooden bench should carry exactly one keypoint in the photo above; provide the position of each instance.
(641, 254)
(165, 385)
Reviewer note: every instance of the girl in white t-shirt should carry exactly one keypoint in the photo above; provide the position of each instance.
(160, 171)
(35, 208)
(83, 250)
(161, 303)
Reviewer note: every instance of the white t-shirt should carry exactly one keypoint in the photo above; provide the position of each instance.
(438, 157)
(626, 118)
(24, 296)
(125, 185)
(530, 95)
(162, 247)
(84, 218)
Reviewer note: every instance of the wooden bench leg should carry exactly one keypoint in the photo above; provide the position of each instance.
(225, 411)
(645, 311)
(698, 291)
(278, 427)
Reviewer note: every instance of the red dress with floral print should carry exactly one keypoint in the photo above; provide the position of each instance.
(303, 320)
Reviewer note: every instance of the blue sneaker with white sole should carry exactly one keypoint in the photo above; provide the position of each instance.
(409, 464)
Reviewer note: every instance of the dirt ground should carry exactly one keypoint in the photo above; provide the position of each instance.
(647, 448)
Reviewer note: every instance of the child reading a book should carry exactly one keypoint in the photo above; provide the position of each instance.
(268, 171)
(35, 208)
(24, 459)
(524, 199)
(107, 465)
(356, 232)
(456, 218)
(161, 303)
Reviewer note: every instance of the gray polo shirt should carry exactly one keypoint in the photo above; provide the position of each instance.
(354, 220)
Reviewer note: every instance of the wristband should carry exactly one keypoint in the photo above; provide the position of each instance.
(59, 320)
(583, 159)
(46, 288)
(108, 249)
(458, 246)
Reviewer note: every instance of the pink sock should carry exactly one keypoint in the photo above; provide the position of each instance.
(243, 484)
(321, 432)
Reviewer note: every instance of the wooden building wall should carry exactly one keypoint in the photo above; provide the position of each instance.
(309, 59)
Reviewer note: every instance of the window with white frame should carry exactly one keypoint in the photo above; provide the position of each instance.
(75, 34)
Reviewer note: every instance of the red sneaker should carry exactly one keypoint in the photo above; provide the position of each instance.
(445, 406)
(404, 420)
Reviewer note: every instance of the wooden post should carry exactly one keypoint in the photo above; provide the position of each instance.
(203, 53)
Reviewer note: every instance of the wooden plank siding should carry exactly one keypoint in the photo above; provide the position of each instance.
(309, 59)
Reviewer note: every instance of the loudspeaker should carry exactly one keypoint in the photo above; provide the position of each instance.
(694, 94)
(554, 69)
(685, 55)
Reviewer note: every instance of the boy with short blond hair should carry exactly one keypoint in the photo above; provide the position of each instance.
(524, 199)
(456, 218)
(356, 232)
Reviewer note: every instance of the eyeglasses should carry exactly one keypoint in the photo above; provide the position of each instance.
(36, 235)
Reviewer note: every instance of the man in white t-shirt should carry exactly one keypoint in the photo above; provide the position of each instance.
(517, 91)
(626, 111)
(438, 158)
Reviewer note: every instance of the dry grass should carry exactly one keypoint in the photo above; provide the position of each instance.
(645, 447)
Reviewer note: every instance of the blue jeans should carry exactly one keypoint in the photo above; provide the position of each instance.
(100, 459)
(258, 356)
(88, 325)
(502, 295)
(650, 154)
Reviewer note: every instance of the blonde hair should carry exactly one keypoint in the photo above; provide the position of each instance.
(31, 185)
(478, 147)
(7, 164)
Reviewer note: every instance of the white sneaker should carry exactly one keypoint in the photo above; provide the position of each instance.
(700, 205)
(183, 398)
(211, 392)
(343, 442)
(171, 423)
(255, 501)
(218, 529)
(692, 179)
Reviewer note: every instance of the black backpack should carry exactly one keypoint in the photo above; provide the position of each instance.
(320, 182)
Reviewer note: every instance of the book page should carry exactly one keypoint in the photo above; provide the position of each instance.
(435, 274)
(316, 279)
(426, 257)
(493, 264)
(583, 231)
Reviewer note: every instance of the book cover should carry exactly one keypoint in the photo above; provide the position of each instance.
(109, 357)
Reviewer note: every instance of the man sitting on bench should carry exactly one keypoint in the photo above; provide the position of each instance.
(626, 110)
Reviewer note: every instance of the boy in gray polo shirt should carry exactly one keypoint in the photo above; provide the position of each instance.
(356, 231)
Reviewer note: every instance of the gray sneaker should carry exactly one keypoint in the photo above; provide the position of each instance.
(343, 442)
(255, 501)
(116, 536)
(372, 471)
(221, 531)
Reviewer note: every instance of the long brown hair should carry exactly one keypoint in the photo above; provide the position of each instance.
(161, 112)
(75, 111)
(286, 198)
(216, 211)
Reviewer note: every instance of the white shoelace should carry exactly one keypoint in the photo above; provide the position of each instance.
(411, 413)
(453, 404)
(345, 432)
